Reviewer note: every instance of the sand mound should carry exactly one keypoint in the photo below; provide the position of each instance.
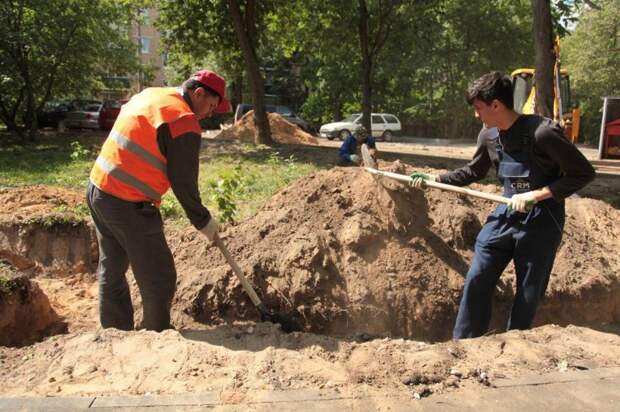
(28, 203)
(282, 131)
(349, 256)
(25, 313)
(40, 230)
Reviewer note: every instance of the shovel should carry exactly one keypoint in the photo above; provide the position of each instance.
(287, 323)
(371, 166)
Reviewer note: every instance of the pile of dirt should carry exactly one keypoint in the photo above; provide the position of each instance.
(41, 230)
(350, 256)
(282, 131)
(236, 360)
(25, 312)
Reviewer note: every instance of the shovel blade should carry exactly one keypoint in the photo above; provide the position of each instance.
(367, 158)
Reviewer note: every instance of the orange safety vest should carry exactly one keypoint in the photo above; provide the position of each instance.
(130, 165)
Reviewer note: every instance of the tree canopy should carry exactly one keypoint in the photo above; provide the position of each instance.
(592, 55)
(51, 48)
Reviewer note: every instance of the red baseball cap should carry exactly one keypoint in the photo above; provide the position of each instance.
(217, 83)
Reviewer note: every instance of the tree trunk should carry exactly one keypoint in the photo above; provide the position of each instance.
(545, 58)
(237, 91)
(248, 49)
(366, 66)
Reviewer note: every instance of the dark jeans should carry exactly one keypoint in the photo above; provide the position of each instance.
(532, 246)
(131, 234)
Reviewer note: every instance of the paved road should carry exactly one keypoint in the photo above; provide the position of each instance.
(464, 150)
(590, 390)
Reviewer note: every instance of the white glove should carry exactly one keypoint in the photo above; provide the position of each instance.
(355, 158)
(211, 229)
(522, 202)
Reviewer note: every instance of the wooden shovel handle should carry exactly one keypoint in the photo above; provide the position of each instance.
(238, 272)
(442, 186)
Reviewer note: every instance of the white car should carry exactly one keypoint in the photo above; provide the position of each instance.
(84, 115)
(384, 126)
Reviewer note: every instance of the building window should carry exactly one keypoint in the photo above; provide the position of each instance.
(145, 44)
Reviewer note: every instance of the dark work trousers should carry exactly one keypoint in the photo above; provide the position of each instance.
(131, 234)
(530, 239)
(532, 246)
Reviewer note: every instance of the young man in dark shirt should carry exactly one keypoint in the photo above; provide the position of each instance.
(538, 168)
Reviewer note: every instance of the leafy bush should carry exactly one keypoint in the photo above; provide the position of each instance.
(79, 152)
(224, 192)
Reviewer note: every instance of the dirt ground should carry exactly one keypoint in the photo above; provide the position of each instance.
(371, 269)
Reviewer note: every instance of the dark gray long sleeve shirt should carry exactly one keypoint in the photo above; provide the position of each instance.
(551, 151)
(182, 153)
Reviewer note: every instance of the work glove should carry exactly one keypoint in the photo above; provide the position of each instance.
(355, 158)
(211, 229)
(418, 179)
(522, 202)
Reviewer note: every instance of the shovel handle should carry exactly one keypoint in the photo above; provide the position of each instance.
(443, 186)
(238, 272)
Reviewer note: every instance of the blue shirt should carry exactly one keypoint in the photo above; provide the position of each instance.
(349, 147)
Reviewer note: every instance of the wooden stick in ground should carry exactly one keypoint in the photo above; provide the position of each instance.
(442, 186)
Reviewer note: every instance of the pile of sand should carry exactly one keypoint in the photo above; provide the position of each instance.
(28, 203)
(282, 131)
(346, 255)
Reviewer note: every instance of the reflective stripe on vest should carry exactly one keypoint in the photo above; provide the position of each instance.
(131, 165)
(127, 144)
(127, 179)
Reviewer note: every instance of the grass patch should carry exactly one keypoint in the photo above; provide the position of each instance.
(51, 161)
(235, 179)
(235, 187)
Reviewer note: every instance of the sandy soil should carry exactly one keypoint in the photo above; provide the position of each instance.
(361, 264)
(282, 130)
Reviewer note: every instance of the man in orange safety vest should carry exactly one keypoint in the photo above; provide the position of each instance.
(154, 145)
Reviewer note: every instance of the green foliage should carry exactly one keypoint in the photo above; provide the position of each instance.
(45, 163)
(592, 56)
(224, 192)
(286, 166)
(53, 48)
(78, 151)
(170, 207)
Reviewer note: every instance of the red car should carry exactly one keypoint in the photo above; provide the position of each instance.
(109, 113)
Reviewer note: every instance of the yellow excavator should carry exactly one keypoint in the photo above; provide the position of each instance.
(524, 93)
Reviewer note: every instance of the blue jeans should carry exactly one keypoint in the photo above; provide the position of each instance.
(532, 243)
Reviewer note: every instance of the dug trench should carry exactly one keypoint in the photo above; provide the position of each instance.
(342, 252)
(362, 263)
(349, 255)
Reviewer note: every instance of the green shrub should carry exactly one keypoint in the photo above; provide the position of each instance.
(78, 152)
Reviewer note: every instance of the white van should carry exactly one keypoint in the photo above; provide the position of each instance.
(384, 126)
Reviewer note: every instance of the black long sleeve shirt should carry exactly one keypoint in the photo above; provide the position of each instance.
(182, 153)
(551, 151)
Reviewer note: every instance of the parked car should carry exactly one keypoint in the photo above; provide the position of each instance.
(109, 112)
(53, 112)
(283, 111)
(85, 115)
(384, 126)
